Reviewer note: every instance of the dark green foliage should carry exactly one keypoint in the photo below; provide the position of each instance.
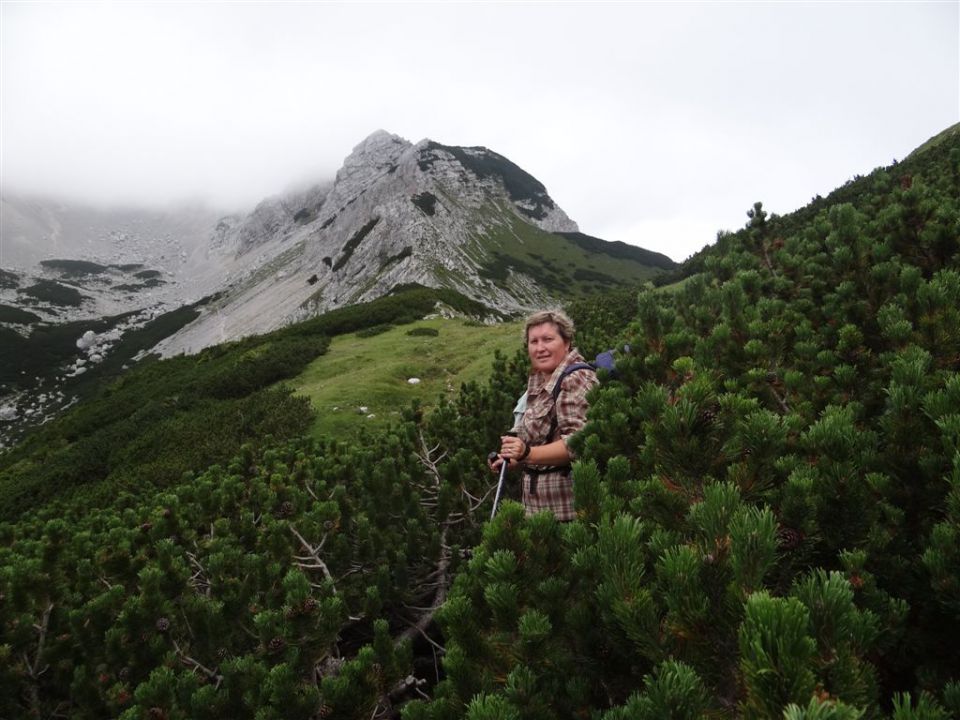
(50, 291)
(520, 185)
(767, 502)
(586, 275)
(272, 585)
(9, 280)
(17, 316)
(304, 216)
(373, 330)
(621, 250)
(393, 259)
(148, 274)
(770, 483)
(404, 304)
(352, 244)
(138, 287)
(206, 406)
(44, 351)
(74, 268)
(423, 332)
(500, 265)
(426, 201)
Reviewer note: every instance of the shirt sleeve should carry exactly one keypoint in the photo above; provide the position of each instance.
(519, 409)
(572, 404)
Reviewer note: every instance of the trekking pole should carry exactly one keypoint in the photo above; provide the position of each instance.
(503, 475)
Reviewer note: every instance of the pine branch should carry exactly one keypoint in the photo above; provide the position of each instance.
(439, 597)
(32, 668)
(424, 635)
(199, 579)
(42, 630)
(426, 457)
(766, 258)
(60, 711)
(781, 401)
(312, 555)
(196, 665)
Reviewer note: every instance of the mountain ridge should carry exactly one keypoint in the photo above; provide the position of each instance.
(396, 214)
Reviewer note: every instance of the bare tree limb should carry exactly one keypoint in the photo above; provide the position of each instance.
(196, 665)
(312, 553)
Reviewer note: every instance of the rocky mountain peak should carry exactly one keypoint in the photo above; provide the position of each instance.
(378, 153)
(397, 214)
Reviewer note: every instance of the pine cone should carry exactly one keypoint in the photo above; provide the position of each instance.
(156, 713)
(309, 605)
(325, 711)
(162, 624)
(708, 414)
(124, 674)
(222, 654)
(276, 645)
(145, 527)
(286, 509)
(788, 538)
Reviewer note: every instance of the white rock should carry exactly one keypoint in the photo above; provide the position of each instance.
(414, 381)
(87, 340)
(363, 409)
(8, 412)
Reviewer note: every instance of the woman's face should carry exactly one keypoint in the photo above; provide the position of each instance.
(546, 347)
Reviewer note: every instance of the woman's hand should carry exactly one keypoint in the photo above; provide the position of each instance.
(513, 448)
(494, 462)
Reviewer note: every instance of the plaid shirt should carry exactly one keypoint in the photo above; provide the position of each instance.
(554, 490)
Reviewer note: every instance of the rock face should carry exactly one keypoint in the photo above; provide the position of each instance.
(397, 213)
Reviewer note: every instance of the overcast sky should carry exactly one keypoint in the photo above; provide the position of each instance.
(653, 123)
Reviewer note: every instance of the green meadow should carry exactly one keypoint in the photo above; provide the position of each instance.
(373, 372)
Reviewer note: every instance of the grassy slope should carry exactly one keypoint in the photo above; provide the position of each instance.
(373, 371)
(558, 263)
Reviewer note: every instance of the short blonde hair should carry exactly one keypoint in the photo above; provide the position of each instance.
(557, 317)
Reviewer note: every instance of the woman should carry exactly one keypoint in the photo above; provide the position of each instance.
(541, 434)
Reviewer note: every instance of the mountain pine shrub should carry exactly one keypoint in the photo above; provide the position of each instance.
(767, 499)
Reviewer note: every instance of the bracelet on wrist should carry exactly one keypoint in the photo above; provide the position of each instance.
(526, 451)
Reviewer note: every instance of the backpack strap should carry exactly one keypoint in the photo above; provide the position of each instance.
(574, 367)
(557, 389)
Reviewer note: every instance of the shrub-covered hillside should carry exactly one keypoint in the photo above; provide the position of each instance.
(769, 497)
(769, 520)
